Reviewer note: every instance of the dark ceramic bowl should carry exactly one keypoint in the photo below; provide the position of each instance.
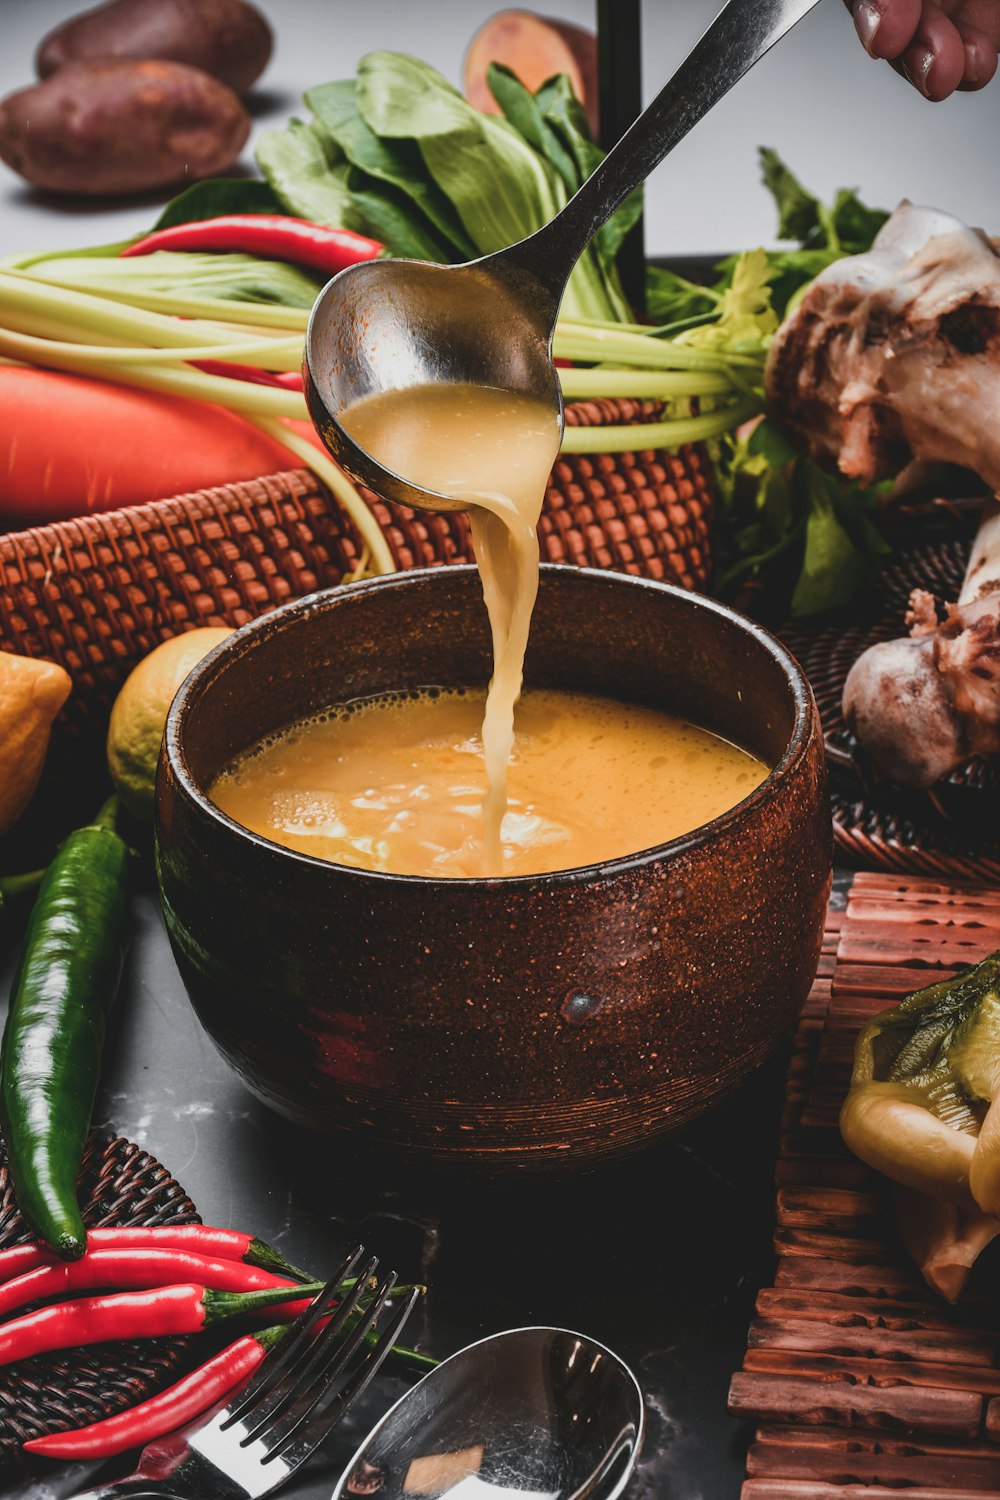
(517, 1023)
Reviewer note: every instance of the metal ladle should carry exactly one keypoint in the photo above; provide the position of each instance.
(539, 1413)
(390, 324)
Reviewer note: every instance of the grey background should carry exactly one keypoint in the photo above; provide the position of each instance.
(838, 118)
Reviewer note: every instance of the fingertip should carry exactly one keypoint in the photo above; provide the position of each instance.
(935, 62)
(980, 59)
(885, 30)
(937, 76)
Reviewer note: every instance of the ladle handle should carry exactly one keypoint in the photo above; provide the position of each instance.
(737, 38)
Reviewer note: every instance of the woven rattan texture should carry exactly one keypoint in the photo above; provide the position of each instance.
(119, 1184)
(949, 830)
(865, 1384)
(97, 593)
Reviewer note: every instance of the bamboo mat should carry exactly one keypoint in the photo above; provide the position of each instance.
(866, 1385)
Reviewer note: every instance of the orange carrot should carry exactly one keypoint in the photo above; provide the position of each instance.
(70, 445)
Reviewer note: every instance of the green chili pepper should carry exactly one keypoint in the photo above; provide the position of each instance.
(74, 950)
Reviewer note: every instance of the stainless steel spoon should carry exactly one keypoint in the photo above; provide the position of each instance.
(389, 324)
(540, 1413)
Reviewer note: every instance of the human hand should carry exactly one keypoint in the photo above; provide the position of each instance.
(937, 45)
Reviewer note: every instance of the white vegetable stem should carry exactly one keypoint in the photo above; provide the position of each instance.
(98, 318)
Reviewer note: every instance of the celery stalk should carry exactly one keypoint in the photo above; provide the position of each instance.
(673, 433)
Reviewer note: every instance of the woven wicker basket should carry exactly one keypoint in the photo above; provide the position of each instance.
(120, 1184)
(96, 594)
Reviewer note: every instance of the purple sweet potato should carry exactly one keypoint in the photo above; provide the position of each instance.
(121, 125)
(227, 38)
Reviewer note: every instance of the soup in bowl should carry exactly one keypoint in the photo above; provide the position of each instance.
(559, 1014)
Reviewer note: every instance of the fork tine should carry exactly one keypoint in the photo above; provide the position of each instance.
(329, 1355)
(292, 1345)
(309, 1424)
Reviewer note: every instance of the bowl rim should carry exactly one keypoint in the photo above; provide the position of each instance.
(274, 620)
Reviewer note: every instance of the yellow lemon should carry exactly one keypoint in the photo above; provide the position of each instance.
(140, 712)
(31, 694)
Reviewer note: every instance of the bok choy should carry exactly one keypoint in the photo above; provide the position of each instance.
(399, 154)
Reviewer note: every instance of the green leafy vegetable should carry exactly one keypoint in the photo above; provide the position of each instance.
(216, 197)
(824, 232)
(524, 111)
(814, 536)
(396, 164)
(744, 317)
(847, 226)
(389, 217)
(568, 119)
(308, 173)
(936, 1053)
(399, 154)
(236, 278)
(672, 299)
(495, 181)
(833, 567)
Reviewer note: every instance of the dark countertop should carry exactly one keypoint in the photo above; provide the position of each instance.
(659, 1257)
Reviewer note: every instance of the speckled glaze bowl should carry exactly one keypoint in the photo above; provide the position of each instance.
(529, 1022)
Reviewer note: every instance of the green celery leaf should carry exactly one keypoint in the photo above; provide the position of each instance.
(396, 162)
(855, 223)
(813, 536)
(792, 270)
(672, 299)
(746, 320)
(832, 567)
(798, 210)
(847, 227)
(856, 508)
(777, 504)
(770, 443)
(307, 172)
(218, 196)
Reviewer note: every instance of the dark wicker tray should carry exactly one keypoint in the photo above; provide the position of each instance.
(947, 830)
(862, 1383)
(119, 1184)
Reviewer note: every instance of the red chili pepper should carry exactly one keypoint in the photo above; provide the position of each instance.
(130, 1269)
(138, 1315)
(271, 235)
(200, 1239)
(288, 380)
(165, 1411)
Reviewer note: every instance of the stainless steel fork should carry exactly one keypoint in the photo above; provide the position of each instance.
(249, 1446)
